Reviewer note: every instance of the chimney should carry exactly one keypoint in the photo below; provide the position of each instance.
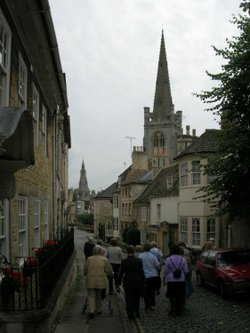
(194, 132)
(188, 129)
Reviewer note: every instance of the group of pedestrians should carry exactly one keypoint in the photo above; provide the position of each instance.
(139, 273)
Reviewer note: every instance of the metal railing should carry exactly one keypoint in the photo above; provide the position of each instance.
(30, 287)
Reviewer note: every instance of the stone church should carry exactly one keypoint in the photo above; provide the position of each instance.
(82, 193)
(163, 126)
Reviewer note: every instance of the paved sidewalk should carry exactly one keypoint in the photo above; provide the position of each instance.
(74, 321)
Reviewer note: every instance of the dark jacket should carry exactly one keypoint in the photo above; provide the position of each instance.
(88, 248)
(131, 273)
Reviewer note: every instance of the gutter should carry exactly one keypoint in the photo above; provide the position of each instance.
(53, 47)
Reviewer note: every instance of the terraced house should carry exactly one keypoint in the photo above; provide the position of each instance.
(34, 130)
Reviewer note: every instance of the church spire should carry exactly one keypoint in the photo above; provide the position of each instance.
(83, 189)
(163, 105)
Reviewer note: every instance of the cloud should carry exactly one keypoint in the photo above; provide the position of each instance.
(109, 51)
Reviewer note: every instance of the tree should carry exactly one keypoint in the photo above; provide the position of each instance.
(230, 100)
(86, 218)
(134, 237)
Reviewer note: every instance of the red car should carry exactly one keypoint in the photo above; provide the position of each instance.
(226, 269)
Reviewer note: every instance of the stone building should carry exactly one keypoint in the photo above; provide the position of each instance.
(34, 130)
(163, 140)
(131, 185)
(197, 220)
(156, 209)
(104, 226)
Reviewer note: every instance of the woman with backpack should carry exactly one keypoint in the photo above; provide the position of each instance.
(176, 269)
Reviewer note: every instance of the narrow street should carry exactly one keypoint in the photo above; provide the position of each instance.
(205, 312)
(72, 320)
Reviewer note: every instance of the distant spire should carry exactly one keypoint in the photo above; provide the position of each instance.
(83, 189)
(163, 105)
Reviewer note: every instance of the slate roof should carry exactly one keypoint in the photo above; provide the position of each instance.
(138, 177)
(206, 143)
(124, 174)
(158, 187)
(107, 193)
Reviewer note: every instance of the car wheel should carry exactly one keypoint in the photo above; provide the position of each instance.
(199, 279)
(221, 288)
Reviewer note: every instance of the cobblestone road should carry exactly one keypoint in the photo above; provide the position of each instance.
(205, 312)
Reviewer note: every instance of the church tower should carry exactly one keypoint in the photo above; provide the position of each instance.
(163, 125)
(83, 190)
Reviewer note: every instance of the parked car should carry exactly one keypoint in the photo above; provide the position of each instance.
(226, 269)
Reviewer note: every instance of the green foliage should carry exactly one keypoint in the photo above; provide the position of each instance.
(125, 235)
(133, 237)
(86, 218)
(230, 99)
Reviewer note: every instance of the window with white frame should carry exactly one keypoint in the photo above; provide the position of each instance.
(46, 219)
(59, 156)
(184, 174)
(184, 229)
(210, 232)
(4, 219)
(22, 216)
(5, 51)
(44, 129)
(22, 82)
(35, 111)
(143, 212)
(37, 223)
(196, 235)
(116, 224)
(196, 173)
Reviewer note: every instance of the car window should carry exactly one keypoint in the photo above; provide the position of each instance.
(233, 258)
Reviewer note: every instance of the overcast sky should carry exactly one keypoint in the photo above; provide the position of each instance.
(109, 51)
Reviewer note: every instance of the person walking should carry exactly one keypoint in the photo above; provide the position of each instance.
(132, 276)
(115, 256)
(150, 266)
(187, 254)
(209, 245)
(138, 250)
(157, 252)
(97, 269)
(88, 247)
(176, 281)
